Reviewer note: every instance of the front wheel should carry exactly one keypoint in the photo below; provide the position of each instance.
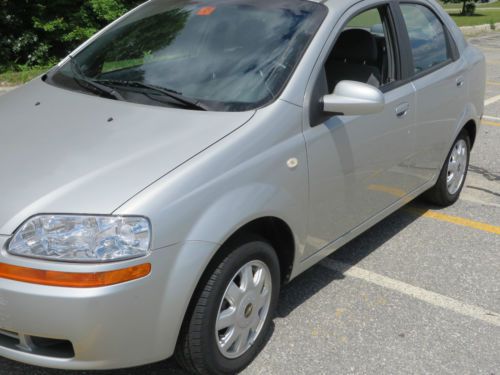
(452, 177)
(233, 311)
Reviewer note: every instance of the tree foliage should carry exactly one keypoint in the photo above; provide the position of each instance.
(38, 32)
(468, 6)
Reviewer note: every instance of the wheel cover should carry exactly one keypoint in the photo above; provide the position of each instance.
(457, 167)
(243, 309)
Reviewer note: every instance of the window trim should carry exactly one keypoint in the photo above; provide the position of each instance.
(404, 59)
(451, 46)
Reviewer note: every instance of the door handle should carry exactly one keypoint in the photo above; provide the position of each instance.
(460, 81)
(402, 109)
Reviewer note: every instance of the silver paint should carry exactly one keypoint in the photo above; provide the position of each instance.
(354, 98)
(457, 167)
(199, 177)
(243, 309)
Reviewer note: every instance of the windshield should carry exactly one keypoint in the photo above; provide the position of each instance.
(227, 55)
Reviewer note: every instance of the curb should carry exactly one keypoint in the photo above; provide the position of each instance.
(5, 89)
(486, 28)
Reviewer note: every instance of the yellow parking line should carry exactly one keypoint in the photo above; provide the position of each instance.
(493, 83)
(490, 123)
(388, 189)
(456, 220)
(493, 62)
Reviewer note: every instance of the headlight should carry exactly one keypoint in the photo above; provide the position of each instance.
(82, 238)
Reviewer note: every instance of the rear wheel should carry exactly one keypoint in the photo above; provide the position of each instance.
(452, 177)
(233, 311)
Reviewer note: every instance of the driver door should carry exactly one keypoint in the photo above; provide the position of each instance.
(358, 165)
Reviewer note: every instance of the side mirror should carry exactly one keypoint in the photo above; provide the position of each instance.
(352, 98)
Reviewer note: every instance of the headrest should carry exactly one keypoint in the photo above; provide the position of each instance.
(356, 45)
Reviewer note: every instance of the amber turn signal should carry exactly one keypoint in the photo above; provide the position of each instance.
(71, 279)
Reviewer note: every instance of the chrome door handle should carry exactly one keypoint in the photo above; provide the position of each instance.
(460, 81)
(402, 109)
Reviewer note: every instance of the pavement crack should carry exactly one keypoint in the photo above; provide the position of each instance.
(491, 176)
(484, 190)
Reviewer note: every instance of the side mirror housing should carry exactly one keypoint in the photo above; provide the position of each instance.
(352, 98)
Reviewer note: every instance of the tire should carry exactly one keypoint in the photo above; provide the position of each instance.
(442, 194)
(199, 349)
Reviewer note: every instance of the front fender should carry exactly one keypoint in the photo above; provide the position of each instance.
(242, 206)
(198, 206)
(245, 176)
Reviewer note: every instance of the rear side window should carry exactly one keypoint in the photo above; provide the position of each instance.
(427, 37)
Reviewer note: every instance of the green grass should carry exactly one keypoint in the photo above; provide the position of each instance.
(496, 4)
(14, 78)
(480, 18)
(110, 66)
(366, 19)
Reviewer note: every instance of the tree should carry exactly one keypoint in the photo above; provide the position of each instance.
(39, 32)
(468, 6)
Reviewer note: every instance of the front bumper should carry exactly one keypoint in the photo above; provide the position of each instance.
(118, 326)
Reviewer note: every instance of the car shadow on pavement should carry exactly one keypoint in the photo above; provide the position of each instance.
(292, 295)
(169, 367)
(316, 278)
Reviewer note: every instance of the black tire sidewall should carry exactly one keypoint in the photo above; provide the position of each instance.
(243, 253)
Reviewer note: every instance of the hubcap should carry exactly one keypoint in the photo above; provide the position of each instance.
(243, 309)
(457, 165)
(248, 310)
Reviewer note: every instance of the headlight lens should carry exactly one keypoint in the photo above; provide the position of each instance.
(82, 238)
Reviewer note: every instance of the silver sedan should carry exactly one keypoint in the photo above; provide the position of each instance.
(164, 180)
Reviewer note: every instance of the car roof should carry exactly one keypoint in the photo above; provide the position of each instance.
(335, 3)
(342, 3)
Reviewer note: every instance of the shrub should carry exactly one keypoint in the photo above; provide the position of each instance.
(468, 6)
(39, 32)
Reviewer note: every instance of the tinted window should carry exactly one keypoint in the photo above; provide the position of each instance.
(427, 36)
(229, 54)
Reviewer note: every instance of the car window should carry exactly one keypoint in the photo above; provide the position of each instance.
(363, 51)
(230, 55)
(427, 37)
(367, 20)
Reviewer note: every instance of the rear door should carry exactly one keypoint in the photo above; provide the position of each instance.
(437, 74)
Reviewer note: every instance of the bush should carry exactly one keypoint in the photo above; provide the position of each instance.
(468, 6)
(469, 9)
(40, 32)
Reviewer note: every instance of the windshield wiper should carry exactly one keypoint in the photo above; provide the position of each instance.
(188, 102)
(80, 77)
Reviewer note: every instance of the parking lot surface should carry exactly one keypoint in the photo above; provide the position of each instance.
(418, 293)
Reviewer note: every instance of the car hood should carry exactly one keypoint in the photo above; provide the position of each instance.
(67, 152)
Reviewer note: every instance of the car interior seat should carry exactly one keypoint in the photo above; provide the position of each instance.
(354, 57)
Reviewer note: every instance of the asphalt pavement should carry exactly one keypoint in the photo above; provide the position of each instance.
(419, 293)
